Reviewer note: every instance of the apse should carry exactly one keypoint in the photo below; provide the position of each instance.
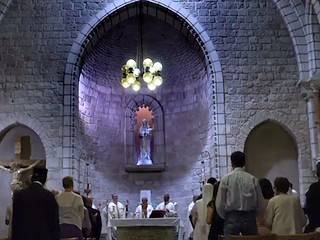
(177, 111)
(272, 152)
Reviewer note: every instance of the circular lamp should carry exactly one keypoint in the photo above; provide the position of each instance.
(151, 86)
(125, 83)
(157, 67)
(147, 77)
(131, 78)
(131, 63)
(157, 80)
(136, 86)
(147, 63)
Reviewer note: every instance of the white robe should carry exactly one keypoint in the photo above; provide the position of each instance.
(139, 214)
(170, 207)
(189, 228)
(115, 211)
(202, 229)
(104, 219)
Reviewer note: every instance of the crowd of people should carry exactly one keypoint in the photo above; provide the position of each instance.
(241, 204)
(40, 214)
(238, 204)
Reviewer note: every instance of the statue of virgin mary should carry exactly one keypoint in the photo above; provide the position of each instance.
(145, 133)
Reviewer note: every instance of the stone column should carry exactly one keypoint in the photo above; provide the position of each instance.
(310, 92)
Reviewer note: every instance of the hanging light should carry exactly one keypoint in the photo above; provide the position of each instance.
(150, 72)
(157, 80)
(136, 86)
(152, 86)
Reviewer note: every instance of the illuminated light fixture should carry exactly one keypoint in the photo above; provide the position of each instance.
(132, 76)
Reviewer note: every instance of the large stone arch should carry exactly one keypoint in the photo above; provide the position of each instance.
(293, 14)
(312, 35)
(316, 7)
(24, 120)
(17, 129)
(305, 172)
(90, 34)
(51, 149)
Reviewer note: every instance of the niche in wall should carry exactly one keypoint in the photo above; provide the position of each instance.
(272, 152)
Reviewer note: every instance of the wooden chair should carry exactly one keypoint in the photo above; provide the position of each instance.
(304, 236)
(256, 237)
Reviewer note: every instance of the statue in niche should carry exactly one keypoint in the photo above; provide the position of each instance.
(145, 133)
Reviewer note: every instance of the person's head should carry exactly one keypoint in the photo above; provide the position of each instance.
(114, 197)
(144, 201)
(67, 183)
(238, 159)
(166, 198)
(266, 188)
(144, 122)
(39, 175)
(212, 181)
(281, 185)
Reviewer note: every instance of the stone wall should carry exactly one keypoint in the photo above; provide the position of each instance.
(259, 70)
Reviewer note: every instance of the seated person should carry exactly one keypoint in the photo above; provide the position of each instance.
(144, 209)
(284, 214)
(167, 206)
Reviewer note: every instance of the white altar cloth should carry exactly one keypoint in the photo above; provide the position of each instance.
(147, 228)
(151, 222)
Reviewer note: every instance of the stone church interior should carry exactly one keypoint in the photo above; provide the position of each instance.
(141, 102)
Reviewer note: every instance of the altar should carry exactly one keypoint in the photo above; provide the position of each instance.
(146, 228)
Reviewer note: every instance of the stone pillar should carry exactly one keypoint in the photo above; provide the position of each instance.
(310, 92)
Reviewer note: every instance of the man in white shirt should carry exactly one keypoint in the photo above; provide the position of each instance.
(144, 209)
(239, 199)
(115, 210)
(71, 210)
(167, 206)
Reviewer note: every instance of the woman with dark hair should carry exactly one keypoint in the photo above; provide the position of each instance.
(266, 188)
(213, 218)
(268, 193)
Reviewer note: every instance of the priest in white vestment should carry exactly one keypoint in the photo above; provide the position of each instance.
(144, 209)
(167, 206)
(116, 210)
(189, 227)
(201, 230)
(104, 219)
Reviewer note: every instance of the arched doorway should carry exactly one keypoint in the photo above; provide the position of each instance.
(31, 148)
(272, 152)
